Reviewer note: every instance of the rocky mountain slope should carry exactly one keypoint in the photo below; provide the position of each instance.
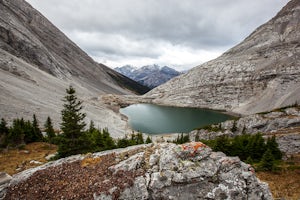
(284, 123)
(259, 74)
(38, 62)
(154, 171)
(150, 75)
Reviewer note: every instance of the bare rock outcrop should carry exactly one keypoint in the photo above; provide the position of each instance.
(153, 171)
(259, 74)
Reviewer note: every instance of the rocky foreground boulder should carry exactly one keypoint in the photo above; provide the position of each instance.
(153, 171)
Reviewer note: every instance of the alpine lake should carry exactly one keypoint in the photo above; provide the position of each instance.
(156, 119)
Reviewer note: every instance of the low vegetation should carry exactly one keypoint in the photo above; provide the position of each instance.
(284, 183)
(181, 139)
(252, 149)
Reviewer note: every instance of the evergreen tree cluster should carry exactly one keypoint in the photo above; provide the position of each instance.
(20, 132)
(133, 139)
(76, 140)
(249, 148)
(181, 139)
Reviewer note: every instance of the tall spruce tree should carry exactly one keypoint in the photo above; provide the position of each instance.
(37, 133)
(49, 129)
(148, 140)
(73, 137)
(273, 146)
(3, 127)
(16, 133)
(267, 162)
(3, 133)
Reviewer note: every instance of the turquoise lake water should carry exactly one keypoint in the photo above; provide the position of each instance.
(155, 119)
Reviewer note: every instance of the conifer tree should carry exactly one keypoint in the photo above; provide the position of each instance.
(73, 137)
(16, 133)
(139, 138)
(273, 146)
(123, 142)
(3, 127)
(49, 129)
(109, 143)
(29, 134)
(92, 126)
(234, 128)
(37, 134)
(148, 140)
(267, 162)
(222, 143)
(3, 133)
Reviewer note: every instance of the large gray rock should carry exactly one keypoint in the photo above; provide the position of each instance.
(259, 74)
(161, 171)
(4, 181)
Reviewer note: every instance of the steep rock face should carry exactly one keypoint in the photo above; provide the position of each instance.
(160, 171)
(25, 33)
(150, 75)
(38, 62)
(259, 74)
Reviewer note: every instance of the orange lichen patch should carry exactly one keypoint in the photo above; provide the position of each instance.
(193, 146)
(90, 161)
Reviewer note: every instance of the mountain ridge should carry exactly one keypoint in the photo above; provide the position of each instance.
(38, 62)
(259, 74)
(148, 75)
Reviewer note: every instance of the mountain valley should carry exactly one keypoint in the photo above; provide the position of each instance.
(257, 81)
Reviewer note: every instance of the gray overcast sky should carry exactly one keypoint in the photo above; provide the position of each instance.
(177, 33)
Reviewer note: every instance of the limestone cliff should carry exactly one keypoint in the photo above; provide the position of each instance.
(153, 171)
(259, 74)
(38, 62)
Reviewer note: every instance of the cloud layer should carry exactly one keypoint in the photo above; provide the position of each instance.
(177, 33)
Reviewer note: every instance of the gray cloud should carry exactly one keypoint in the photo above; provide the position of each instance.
(151, 29)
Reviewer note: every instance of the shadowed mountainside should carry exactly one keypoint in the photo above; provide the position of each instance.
(38, 62)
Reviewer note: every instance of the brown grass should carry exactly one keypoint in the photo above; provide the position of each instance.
(284, 184)
(13, 159)
(90, 161)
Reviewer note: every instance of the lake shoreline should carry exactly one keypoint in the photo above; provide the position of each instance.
(157, 119)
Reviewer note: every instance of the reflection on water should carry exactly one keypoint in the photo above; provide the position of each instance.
(154, 119)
